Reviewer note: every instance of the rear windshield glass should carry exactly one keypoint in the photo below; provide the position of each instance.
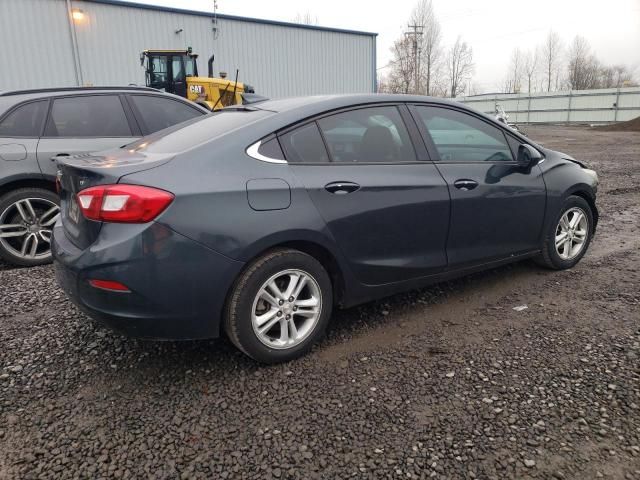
(191, 133)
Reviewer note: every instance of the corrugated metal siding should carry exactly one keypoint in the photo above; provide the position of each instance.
(35, 49)
(277, 60)
(577, 106)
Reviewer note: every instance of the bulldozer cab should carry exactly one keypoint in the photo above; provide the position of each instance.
(176, 71)
(168, 69)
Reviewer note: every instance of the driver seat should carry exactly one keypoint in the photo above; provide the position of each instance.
(377, 145)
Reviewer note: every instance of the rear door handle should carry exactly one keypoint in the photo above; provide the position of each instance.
(465, 184)
(58, 156)
(341, 188)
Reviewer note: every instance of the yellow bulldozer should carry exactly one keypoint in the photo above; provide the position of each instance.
(176, 71)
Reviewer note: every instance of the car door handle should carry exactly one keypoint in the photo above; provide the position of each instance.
(341, 188)
(58, 156)
(465, 185)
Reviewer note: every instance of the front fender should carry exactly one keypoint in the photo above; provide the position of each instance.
(564, 178)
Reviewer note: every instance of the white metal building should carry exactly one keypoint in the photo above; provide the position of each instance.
(48, 43)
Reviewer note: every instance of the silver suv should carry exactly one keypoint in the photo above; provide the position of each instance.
(37, 127)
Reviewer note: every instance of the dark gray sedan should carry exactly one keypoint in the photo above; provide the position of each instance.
(258, 220)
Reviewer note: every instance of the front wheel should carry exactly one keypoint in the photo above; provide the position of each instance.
(27, 216)
(569, 237)
(279, 306)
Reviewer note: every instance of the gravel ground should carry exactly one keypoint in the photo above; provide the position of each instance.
(445, 382)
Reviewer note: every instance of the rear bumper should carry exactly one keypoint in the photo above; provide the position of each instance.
(177, 286)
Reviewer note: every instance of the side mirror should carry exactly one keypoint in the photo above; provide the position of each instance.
(528, 156)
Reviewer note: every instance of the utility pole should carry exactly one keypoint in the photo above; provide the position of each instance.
(415, 32)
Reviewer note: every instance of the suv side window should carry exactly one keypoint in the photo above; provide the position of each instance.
(460, 137)
(88, 116)
(304, 145)
(158, 112)
(368, 135)
(25, 121)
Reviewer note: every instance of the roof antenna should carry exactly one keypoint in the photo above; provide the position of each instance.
(214, 20)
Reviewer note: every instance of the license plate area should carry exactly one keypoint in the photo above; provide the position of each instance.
(73, 210)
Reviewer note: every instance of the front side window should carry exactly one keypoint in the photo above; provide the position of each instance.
(460, 137)
(158, 112)
(24, 121)
(304, 145)
(88, 116)
(368, 135)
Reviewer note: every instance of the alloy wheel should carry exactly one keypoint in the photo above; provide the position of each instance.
(571, 233)
(286, 309)
(26, 226)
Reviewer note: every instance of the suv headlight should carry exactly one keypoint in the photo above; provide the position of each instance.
(593, 174)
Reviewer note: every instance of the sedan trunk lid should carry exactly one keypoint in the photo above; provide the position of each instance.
(83, 171)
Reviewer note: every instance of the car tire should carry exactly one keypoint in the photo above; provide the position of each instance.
(556, 253)
(24, 210)
(263, 322)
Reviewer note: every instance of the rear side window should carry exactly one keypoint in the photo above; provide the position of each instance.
(460, 137)
(304, 145)
(368, 135)
(271, 149)
(158, 113)
(25, 121)
(88, 116)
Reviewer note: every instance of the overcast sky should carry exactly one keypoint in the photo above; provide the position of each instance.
(492, 27)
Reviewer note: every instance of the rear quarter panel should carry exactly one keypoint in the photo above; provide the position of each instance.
(18, 160)
(212, 206)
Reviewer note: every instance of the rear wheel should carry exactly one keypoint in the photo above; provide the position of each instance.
(570, 235)
(279, 307)
(27, 216)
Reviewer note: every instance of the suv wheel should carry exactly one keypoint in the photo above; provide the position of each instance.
(279, 306)
(27, 216)
(569, 238)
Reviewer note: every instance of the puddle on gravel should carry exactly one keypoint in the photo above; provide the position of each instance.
(449, 314)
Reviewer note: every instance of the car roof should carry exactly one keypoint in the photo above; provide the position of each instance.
(296, 109)
(49, 92)
(9, 99)
(329, 102)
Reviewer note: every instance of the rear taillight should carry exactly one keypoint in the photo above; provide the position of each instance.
(110, 285)
(123, 203)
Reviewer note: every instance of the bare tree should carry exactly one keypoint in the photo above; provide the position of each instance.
(306, 19)
(584, 69)
(530, 66)
(552, 58)
(473, 89)
(430, 45)
(620, 76)
(459, 66)
(400, 78)
(511, 83)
